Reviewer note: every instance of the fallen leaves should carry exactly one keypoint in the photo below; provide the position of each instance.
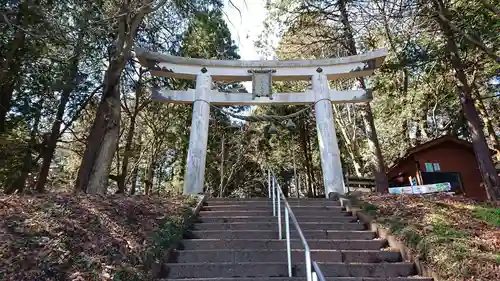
(447, 232)
(78, 237)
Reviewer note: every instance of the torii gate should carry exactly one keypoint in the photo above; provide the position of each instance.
(261, 73)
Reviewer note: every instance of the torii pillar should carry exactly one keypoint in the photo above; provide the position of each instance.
(261, 73)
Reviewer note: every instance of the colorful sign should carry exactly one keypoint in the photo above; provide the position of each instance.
(421, 189)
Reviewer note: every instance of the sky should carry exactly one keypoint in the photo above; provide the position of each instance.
(246, 28)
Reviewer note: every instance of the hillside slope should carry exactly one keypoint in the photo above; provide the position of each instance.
(68, 237)
(458, 237)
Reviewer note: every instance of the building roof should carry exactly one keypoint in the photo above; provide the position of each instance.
(429, 144)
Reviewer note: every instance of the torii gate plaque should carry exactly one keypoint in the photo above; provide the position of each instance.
(262, 73)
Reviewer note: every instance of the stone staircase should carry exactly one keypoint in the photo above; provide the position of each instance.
(237, 239)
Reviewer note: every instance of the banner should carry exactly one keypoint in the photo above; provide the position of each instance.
(421, 189)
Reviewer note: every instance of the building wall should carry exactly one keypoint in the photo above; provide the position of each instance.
(452, 157)
(407, 167)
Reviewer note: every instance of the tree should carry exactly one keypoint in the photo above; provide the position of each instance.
(102, 140)
(483, 156)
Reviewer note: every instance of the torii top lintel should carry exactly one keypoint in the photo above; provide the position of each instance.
(241, 70)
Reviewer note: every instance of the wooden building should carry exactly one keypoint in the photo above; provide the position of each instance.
(446, 159)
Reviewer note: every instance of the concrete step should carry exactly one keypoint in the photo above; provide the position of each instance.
(254, 269)
(275, 244)
(416, 278)
(270, 203)
(254, 255)
(231, 219)
(263, 213)
(271, 234)
(399, 269)
(218, 199)
(274, 226)
(295, 208)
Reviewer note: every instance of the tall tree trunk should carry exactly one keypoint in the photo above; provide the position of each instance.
(126, 154)
(221, 184)
(101, 143)
(122, 178)
(103, 138)
(160, 176)
(350, 142)
(135, 172)
(312, 191)
(489, 125)
(150, 173)
(69, 86)
(377, 163)
(303, 142)
(490, 177)
(20, 182)
(133, 179)
(48, 152)
(11, 65)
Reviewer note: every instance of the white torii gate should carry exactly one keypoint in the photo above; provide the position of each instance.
(261, 73)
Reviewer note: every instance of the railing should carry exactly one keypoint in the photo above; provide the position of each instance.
(313, 271)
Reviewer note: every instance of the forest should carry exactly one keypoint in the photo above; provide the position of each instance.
(76, 112)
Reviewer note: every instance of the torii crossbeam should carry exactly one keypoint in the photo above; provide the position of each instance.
(262, 73)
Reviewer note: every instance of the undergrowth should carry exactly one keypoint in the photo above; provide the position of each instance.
(168, 234)
(488, 214)
(459, 240)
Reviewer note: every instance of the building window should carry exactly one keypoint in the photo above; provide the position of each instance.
(432, 167)
(436, 167)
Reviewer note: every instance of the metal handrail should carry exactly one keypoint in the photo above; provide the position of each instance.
(313, 271)
(317, 275)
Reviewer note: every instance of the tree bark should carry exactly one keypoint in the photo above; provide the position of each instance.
(126, 155)
(483, 112)
(221, 185)
(490, 177)
(133, 178)
(101, 143)
(303, 142)
(135, 172)
(313, 185)
(378, 165)
(128, 146)
(150, 173)
(350, 142)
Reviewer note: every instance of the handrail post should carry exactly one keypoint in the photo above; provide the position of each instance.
(279, 216)
(317, 273)
(274, 195)
(308, 263)
(288, 246)
(269, 183)
(313, 272)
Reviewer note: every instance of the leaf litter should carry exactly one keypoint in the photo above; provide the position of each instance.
(62, 236)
